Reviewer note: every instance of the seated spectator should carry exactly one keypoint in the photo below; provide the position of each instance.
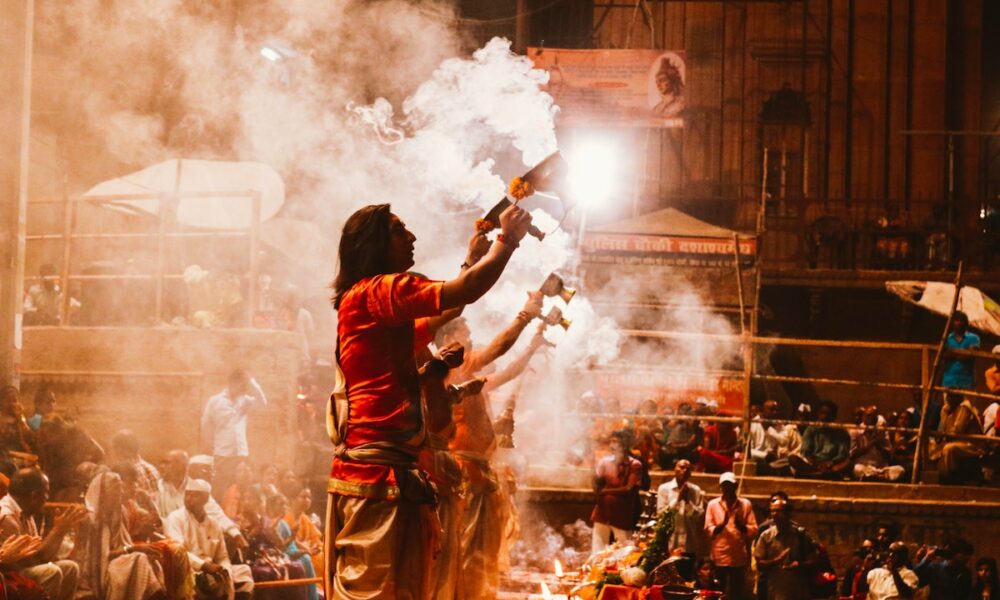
(19, 509)
(871, 452)
(902, 444)
(277, 506)
(771, 446)
(14, 551)
(239, 489)
(266, 559)
(125, 448)
(893, 579)
(946, 570)
(45, 405)
(142, 520)
(958, 416)
(114, 566)
(202, 466)
(304, 527)
(854, 586)
(719, 451)
(15, 435)
(986, 585)
(682, 439)
(267, 486)
(43, 300)
(216, 576)
(173, 479)
(825, 450)
(62, 445)
(705, 580)
(933, 411)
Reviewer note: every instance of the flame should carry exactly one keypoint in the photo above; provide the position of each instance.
(545, 590)
(558, 568)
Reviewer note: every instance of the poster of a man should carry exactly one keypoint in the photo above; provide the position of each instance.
(666, 86)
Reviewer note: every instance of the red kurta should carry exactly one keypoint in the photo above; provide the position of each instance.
(377, 339)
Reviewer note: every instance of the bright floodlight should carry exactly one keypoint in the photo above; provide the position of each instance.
(593, 172)
(275, 50)
(270, 54)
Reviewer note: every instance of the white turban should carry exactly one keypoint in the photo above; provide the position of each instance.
(202, 459)
(198, 485)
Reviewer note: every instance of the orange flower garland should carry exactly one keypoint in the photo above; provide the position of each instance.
(520, 189)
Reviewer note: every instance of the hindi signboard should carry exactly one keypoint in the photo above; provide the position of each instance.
(637, 88)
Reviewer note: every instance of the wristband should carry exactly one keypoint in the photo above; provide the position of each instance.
(506, 240)
(524, 316)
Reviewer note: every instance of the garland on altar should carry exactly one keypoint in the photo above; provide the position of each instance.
(655, 553)
(659, 547)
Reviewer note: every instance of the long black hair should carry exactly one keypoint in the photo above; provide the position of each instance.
(364, 248)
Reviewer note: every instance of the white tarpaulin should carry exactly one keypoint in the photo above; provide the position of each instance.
(936, 296)
(209, 193)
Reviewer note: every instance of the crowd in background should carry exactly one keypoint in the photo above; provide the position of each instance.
(721, 546)
(81, 519)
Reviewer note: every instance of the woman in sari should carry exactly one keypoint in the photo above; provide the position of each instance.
(307, 534)
(277, 506)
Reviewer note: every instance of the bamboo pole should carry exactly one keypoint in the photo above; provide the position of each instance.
(739, 281)
(67, 238)
(161, 228)
(926, 394)
(777, 341)
(254, 267)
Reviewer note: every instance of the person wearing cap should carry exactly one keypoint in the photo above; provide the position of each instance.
(178, 471)
(781, 552)
(730, 525)
(617, 482)
(893, 579)
(215, 575)
(224, 425)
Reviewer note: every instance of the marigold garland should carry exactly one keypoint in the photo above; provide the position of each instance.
(483, 226)
(520, 188)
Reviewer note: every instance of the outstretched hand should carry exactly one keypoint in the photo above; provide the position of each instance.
(514, 223)
(19, 547)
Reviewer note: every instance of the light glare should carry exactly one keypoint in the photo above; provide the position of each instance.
(593, 169)
(270, 54)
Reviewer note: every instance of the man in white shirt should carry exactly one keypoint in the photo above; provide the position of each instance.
(179, 471)
(216, 576)
(25, 500)
(224, 425)
(771, 446)
(688, 501)
(893, 580)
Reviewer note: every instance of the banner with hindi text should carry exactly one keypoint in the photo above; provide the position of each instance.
(630, 88)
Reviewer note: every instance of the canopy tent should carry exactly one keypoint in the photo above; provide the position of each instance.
(208, 193)
(665, 237)
(936, 296)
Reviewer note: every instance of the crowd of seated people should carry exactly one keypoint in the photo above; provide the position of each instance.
(871, 447)
(79, 522)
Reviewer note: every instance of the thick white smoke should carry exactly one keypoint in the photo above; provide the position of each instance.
(364, 102)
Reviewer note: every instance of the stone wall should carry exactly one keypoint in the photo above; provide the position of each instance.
(156, 381)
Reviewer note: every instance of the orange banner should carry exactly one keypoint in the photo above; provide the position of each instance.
(631, 88)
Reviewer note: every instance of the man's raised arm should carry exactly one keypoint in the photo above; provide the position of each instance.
(472, 283)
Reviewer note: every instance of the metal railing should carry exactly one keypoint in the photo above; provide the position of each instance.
(166, 230)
